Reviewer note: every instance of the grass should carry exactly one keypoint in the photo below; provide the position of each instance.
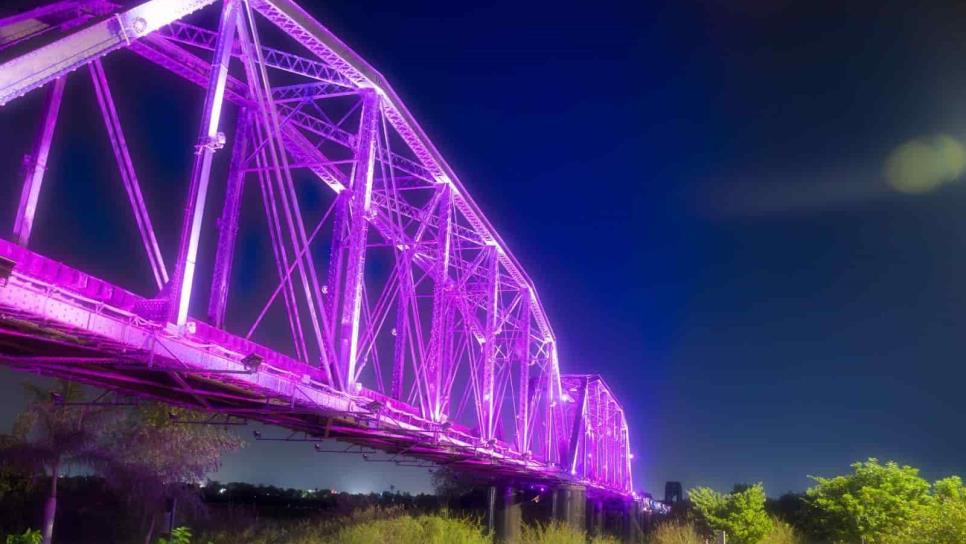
(675, 533)
(686, 533)
(396, 526)
(427, 529)
(782, 533)
(372, 525)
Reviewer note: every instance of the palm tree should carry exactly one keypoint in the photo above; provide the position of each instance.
(51, 435)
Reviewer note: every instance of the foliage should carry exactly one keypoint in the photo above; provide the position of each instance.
(361, 526)
(794, 509)
(875, 504)
(13, 480)
(48, 435)
(553, 533)
(943, 520)
(782, 533)
(180, 535)
(156, 454)
(676, 533)
(741, 514)
(414, 530)
(146, 453)
(30, 536)
(153, 443)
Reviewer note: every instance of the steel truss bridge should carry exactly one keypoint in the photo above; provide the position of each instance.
(443, 352)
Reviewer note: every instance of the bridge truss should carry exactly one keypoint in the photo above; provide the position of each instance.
(411, 327)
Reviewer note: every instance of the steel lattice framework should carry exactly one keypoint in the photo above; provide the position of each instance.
(445, 355)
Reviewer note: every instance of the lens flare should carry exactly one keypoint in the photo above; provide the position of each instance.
(921, 165)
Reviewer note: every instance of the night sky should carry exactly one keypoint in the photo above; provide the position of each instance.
(699, 192)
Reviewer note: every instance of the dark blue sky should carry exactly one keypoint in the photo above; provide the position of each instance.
(697, 190)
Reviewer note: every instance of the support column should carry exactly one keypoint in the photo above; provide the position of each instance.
(228, 222)
(37, 165)
(208, 143)
(523, 383)
(436, 364)
(506, 514)
(401, 331)
(633, 530)
(488, 377)
(358, 205)
(570, 505)
(595, 516)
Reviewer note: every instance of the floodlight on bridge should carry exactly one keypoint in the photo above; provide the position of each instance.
(252, 362)
(6, 269)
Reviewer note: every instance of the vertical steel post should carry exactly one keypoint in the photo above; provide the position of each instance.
(487, 380)
(37, 165)
(434, 364)
(401, 330)
(208, 143)
(580, 414)
(128, 176)
(358, 206)
(228, 222)
(557, 433)
(523, 403)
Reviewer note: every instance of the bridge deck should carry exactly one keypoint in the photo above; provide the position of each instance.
(58, 321)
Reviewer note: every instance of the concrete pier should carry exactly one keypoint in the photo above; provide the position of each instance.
(505, 514)
(633, 522)
(570, 505)
(595, 516)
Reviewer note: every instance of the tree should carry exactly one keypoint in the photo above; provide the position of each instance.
(160, 454)
(875, 504)
(741, 514)
(49, 436)
(943, 521)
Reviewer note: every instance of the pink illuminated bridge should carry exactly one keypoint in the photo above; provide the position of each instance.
(395, 319)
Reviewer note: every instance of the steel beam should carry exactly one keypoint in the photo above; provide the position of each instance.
(436, 361)
(358, 201)
(61, 15)
(208, 142)
(228, 222)
(523, 402)
(37, 165)
(126, 167)
(401, 330)
(45, 64)
(490, 350)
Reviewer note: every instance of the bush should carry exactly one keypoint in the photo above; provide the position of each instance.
(180, 535)
(675, 533)
(552, 533)
(782, 533)
(30, 536)
(741, 514)
(413, 530)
